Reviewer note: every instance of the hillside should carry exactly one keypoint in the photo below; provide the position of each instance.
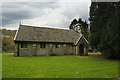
(10, 33)
(8, 40)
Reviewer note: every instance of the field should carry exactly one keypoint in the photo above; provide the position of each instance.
(58, 67)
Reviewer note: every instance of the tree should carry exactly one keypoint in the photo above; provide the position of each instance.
(105, 28)
(73, 23)
(80, 21)
(7, 44)
(85, 29)
(84, 26)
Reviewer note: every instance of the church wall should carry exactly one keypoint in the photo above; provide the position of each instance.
(33, 49)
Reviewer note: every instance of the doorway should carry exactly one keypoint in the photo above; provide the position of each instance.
(18, 49)
(81, 49)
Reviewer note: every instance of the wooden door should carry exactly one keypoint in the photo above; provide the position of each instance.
(18, 49)
(81, 49)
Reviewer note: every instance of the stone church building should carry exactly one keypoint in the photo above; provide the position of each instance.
(42, 41)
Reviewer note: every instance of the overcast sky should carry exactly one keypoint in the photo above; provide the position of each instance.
(47, 14)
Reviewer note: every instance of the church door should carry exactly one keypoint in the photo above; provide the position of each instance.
(18, 49)
(81, 49)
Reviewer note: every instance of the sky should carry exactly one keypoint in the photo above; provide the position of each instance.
(56, 14)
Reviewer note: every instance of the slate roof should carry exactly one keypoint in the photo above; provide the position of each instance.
(43, 34)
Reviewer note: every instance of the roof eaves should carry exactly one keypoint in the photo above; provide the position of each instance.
(16, 33)
(85, 39)
(78, 39)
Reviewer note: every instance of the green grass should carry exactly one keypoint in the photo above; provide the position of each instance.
(57, 67)
(91, 53)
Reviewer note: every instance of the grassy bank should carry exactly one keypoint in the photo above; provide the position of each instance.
(57, 67)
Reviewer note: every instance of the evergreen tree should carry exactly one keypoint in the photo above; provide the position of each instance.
(80, 21)
(73, 23)
(83, 26)
(105, 28)
(85, 29)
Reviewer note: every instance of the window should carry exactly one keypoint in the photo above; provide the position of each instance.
(64, 44)
(23, 45)
(57, 45)
(42, 45)
(50, 45)
(34, 45)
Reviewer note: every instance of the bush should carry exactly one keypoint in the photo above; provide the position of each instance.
(7, 44)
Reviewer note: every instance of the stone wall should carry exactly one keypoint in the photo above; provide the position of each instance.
(82, 41)
(33, 49)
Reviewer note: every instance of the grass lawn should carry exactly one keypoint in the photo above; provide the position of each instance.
(57, 67)
(92, 53)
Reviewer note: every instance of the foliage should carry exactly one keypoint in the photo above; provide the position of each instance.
(7, 44)
(7, 40)
(73, 23)
(84, 26)
(8, 32)
(57, 67)
(105, 28)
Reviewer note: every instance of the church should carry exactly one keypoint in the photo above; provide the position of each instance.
(43, 41)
